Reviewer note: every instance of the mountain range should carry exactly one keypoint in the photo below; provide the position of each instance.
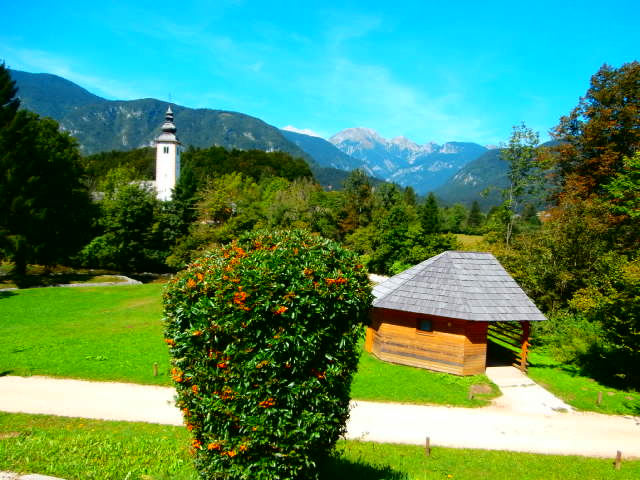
(474, 181)
(103, 125)
(424, 167)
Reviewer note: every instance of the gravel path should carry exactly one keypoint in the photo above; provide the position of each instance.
(526, 418)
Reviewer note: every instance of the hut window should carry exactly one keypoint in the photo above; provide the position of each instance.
(424, 325)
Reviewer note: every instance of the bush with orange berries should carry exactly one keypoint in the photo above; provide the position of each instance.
(263, 335)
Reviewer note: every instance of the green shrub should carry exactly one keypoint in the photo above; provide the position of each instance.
(568, 337)
(263, 335)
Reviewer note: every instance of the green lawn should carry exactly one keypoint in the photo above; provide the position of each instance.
(97, 333)
(75, 448)
(115, 334)
(381, 381)
(581, 392)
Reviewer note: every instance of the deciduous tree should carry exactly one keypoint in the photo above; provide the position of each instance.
(523, 174)
(599, 132)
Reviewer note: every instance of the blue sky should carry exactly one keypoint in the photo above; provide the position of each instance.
(431, 71)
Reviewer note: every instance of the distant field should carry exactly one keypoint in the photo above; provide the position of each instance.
(115, 334)
(76, 448)
(470, 242)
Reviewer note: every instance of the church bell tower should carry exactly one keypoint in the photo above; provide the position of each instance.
(167, 158)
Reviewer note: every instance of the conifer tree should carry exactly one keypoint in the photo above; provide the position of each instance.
(475, 215)
(429, 215)
(9, 103)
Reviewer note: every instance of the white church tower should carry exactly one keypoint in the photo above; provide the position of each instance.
(167, 158)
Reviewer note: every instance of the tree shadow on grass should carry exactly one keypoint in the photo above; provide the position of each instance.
(605, 368)
(342, 469)
(6, 294)
(611, 368)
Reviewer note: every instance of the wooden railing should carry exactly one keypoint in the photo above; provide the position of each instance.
(510, 342)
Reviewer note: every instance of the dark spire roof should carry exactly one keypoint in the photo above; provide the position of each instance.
(463, 285)
(168, 128)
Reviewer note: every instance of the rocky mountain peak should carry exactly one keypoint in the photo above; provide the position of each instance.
(367, 137)
(450, 147)
(405, 144)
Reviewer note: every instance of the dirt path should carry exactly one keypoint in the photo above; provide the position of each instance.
(540, 427)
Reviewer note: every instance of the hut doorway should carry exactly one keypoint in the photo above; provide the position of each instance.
(508, 344)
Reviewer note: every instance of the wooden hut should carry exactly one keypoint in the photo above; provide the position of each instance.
(437, 315)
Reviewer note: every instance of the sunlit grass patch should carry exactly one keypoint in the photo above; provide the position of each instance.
(95, 333)
(382, 381)
(75, 448)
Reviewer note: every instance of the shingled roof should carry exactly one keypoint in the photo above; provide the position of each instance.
(463, 285)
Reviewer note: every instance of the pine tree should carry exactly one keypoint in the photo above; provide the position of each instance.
(475, 215)
(429, 216)
(9, 103)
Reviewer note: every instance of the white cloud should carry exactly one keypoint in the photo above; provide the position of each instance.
(304, 131)
(370, 95)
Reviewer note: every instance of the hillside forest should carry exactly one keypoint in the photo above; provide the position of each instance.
(567, 227)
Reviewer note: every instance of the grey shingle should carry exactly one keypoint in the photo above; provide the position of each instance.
(465, 285)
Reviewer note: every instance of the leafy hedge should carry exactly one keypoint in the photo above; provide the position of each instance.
(263, 335)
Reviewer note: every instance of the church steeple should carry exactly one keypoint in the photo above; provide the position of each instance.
(167, 158)
(168, 126)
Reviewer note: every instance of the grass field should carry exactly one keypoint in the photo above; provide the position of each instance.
(97, 333)
(74, 448)
(115, 334)
(470, 242)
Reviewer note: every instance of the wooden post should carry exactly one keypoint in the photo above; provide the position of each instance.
(368, 343)
(599, 400)
(470, 394)
(155, 369)
(427, 447)
(618, 459)
(524, 349)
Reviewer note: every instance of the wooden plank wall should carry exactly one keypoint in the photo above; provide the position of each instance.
(475, 349)
(454, 346)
